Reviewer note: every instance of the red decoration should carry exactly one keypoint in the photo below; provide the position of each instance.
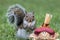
(44, 29)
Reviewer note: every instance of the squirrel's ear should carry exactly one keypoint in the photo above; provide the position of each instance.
(14, 12)
(25, 12)
(32, 12)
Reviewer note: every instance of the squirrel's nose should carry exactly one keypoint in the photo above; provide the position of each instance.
(30, 20)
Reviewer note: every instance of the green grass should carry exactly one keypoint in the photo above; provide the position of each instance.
(40, 7)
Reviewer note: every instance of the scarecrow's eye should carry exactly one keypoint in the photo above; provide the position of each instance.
(43, 33)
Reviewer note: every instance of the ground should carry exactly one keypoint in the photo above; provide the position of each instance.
(40, 8)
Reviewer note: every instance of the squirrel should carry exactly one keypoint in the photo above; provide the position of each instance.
(28, 25)
(24, 21)
(15, 14)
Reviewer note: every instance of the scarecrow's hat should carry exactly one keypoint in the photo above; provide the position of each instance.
(45, 27)
(47, 19)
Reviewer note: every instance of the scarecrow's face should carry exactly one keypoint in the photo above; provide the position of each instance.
(44, 35)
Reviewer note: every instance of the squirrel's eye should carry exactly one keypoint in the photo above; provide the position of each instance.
(33, 16)
(26, 16)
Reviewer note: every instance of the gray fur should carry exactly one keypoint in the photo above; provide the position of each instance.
(12, 17)
(20, 19)
(21, 33)
(26, 23)
(26, 30)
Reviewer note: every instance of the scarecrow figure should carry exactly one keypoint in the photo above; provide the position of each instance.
(44, 32)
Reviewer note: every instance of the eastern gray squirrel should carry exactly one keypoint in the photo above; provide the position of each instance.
(16, 14)
(25, 21)
(28, 25)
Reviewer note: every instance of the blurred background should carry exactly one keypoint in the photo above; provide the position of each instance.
(40, 8)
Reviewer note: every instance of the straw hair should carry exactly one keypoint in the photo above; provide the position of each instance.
(47, 18)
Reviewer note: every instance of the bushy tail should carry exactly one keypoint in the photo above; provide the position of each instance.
(10, 12)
